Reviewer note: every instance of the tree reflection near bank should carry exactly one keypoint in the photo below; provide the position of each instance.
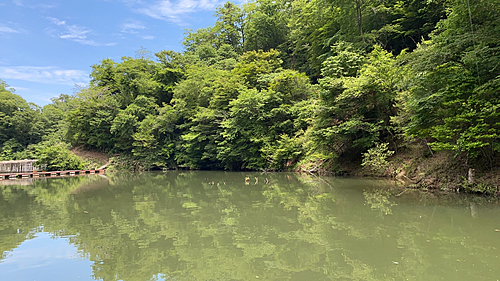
(212, 226)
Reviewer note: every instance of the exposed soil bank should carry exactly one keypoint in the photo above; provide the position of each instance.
(92, 159)
(416, 166)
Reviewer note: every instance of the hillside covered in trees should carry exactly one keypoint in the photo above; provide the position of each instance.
(318, 86)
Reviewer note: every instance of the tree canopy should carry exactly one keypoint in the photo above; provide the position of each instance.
(274, 85)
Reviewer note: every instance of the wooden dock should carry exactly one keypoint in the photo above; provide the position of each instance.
(25, 175)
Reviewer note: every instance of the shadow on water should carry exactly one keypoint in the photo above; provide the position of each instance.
(247, 226)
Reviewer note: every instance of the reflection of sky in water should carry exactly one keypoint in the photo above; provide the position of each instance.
(45, 258)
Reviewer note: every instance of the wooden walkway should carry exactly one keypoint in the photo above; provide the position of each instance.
(13, 176)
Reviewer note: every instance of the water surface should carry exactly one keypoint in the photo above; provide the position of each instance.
(241, 226)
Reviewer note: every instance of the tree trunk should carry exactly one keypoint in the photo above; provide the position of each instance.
(359, 18)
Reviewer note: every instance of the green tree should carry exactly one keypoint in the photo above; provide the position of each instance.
(59, 158)
(265, 25)
(357, 101)
(19, 122)
(453, 83)
(253, 64)
(91, 118)
(229, 26)
(262, 127)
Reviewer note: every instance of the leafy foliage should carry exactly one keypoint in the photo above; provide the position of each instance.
(277, 85)
(375, 159)
(59, 158)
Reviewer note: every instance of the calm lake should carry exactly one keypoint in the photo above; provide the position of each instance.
(241, 226)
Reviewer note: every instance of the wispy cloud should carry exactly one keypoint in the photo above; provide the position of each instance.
(45, 74)
(132, 26)
(148, 37)
(74, 33)
(174, 10)
(78, 34)
(22, 3)
(19, 88)
(6, 29)
(56, 21)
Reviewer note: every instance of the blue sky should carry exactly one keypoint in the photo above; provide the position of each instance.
(48, 46)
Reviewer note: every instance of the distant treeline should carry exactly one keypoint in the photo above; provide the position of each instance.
(279, 85)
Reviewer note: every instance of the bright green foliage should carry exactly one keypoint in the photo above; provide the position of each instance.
(246, 130)
(253, 64)
(316, 25)
(229, 26)
(202, 102)
(125, 124)
(318, 86)
(375, 159)
(19, 122)
(169, 71)
(194, 39)
(10, 150)
(119, 111)
(454, 83)
(357, 101)
(263, 125)
(53, 115)
(91, 119)
(199, 142)
(265, 25)
(155, 139)
(59, 158)
(312, 24)
(227, 30)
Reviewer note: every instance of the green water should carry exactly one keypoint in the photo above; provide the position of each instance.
(220, 226)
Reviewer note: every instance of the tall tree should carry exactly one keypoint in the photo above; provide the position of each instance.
(454, 82)
(229, 26)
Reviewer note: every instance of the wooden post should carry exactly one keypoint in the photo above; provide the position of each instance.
(471, 176)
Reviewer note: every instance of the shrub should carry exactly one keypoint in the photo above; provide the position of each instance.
(375, 159)
(58, 158)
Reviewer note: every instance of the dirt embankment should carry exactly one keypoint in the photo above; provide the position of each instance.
(418, 167)
(92, 159)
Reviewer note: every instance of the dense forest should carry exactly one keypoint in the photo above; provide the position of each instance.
(317, 86)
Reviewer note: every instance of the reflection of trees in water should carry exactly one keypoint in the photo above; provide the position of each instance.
(379, 199)
(24, 209)
(211, 226)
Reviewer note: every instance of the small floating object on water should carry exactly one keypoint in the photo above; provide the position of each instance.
(497, 230)
(395, 262)
(85, 212)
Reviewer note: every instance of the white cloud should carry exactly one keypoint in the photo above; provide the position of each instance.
(45, 74)
(56, 21)
(19, 88)
(73, 32)
(22, 3)
(132, 26)
(173, 10)
(5, 29)
(148, 37)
